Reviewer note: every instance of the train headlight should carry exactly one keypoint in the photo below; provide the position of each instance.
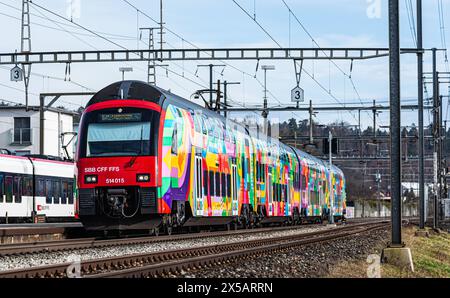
(90, 179)
(143, 177)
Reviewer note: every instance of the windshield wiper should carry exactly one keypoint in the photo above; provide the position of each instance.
(133, 159)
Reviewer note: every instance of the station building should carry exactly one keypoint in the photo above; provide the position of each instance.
(20, 130)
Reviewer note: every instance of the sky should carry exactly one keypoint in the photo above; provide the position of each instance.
(220, 24)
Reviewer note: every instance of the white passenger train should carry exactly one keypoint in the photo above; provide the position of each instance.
(35, 186)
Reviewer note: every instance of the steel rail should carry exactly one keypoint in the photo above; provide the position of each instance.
(84, 243)
(176, 266)
(91, 267)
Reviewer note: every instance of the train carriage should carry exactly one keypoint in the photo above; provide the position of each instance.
(36, 186)
(147, 159)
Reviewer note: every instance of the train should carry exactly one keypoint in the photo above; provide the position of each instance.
(147, 159)
(36, 188)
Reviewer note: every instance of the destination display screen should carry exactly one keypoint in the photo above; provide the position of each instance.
(119, 117)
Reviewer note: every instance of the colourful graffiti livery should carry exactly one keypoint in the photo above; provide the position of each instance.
(209, 166)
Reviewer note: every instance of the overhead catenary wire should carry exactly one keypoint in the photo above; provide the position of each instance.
(243, 72)
(106, 39)
(347, 75)
(110, 35)
(442, 30)
(279, 45)
(411, 20)
(81, 40)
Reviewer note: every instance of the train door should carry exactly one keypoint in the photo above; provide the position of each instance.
(234, 201)
(270, 194)
(198, 193)
(288, 197)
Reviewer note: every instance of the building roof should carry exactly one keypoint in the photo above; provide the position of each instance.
(36, 109)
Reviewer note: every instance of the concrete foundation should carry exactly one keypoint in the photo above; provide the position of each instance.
(422, 233)
(398, 256)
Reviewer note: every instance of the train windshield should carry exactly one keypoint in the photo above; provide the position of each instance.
(118, 133)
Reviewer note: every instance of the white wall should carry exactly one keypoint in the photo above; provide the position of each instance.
(55, 123)
(7, 123)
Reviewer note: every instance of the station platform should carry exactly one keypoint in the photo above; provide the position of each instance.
(34, 232)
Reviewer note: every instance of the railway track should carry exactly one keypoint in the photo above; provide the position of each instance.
(84, 243)
(167, 262)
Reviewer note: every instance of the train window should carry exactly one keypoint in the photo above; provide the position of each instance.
(27, 186)
(70, 192)
(217, 180)
(9, 189)
(205, 183)
(65, 192)
(303, 182)
(286, 189)
(258, 170)
(210, 127)
(175, 139)
(56, 185)
(1, 189)
(229, 186)
(204, 127)
(17, 190)
(223, 184)
(274, 193)
(48, 191)
(280, 193)
(40, 191)
(211, 183)
(263, 173)
(217, 184)
(197, 125)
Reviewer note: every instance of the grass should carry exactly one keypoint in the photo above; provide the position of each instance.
(431, 257)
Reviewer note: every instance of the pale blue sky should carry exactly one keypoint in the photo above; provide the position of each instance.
(221, 23)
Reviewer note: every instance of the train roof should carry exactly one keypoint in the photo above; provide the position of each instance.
(5, 153)
(136, 90)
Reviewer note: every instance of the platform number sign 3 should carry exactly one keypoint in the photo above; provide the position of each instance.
(297, 94)
(16, 74)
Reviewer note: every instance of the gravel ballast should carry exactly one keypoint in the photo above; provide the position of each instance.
(47, 258)
(311, 260)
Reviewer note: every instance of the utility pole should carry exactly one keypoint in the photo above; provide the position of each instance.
(43, 107)
(311, 112)
(25, 46)
(374, 112)
(360, 134)
(225, 95)
(436, 138)
(161, 25)
(265, 112)
(396, 253)
(440, 156)
(211, 90)
(151, 71)
(422, 210)
(395, 119)
(218, 96)
(330, 144)
(378, 180)
(123, 70)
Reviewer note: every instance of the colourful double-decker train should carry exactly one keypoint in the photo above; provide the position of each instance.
(148, 159)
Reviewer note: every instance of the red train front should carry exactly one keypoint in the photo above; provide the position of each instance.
(116, 159)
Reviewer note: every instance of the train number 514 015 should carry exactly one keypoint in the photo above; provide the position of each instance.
(114, 180)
